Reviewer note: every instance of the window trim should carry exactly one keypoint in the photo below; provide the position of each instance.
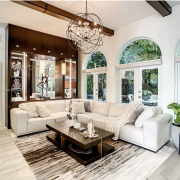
(139, 64)
(95, 69)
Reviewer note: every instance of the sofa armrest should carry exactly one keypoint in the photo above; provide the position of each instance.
(19, 121)
(156, 131)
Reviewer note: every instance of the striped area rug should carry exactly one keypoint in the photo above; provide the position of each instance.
(127, 162)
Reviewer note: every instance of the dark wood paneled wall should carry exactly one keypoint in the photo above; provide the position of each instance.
(59, 82)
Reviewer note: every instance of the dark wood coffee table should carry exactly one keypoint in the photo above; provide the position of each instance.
(68, 135)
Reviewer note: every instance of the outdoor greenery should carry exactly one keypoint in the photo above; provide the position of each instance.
(140, 50)
(97, 59)
(150, 82)
(176, 108)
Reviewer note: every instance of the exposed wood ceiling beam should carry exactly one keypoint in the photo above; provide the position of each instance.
(56, 12)
(161, 7)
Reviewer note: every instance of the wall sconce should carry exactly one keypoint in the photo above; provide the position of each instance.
(41, 67)
(63, 68)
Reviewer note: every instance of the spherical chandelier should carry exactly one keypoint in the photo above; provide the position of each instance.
(85, 32)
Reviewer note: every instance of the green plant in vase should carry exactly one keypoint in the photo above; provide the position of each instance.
(176, 108)
(175, 128)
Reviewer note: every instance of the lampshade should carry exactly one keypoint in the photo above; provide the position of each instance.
(63, 68)
(41, 67)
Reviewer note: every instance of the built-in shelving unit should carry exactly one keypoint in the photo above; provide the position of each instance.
(23, 45)
(70, 79)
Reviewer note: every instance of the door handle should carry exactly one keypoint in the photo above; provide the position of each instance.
(139, 97)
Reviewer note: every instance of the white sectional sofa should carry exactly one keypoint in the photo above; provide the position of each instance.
(153, 135)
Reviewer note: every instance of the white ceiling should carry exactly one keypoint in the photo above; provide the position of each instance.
(114, 14)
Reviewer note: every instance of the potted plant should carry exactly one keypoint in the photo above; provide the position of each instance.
(146, 95)
(71, 118)
(175, 128)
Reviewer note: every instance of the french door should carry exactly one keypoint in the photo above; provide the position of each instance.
(141, 83)
(96, 86)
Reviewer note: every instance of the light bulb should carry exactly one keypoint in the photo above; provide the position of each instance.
(99, 30)
(79, 22)
(95, 23)
(71, 28)
(78, 33)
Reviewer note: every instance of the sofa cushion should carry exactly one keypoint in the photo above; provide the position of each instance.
(78, 107)
(100, 122)
(39, 124)
(30, 108)
(41, 103)
(132, 134)
(101, 107)
(55, 106)
(43, 111)
(87, 117)
(60, 116)
(117, 110)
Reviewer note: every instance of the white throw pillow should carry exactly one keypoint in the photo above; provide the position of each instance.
(158, 110)
(147, 113)
(78, 107)
(43, 111)
(30, 108)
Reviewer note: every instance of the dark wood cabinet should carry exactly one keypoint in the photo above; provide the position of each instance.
(72, 52)
(34, 41)
(61, 47)
(17, 38)
(48, 44)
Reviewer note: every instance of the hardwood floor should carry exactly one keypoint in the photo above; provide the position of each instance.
(12, 164)
(14, 167)
(170, 169)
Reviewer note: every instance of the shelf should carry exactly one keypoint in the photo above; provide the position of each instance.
(16, 77)
(16, 89)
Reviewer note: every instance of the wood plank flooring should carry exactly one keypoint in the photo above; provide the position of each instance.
(12, 164)
(14, 167)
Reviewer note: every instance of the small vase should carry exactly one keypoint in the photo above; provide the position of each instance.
(71, 123)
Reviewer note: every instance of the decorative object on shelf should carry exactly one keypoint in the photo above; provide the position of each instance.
(175, 128)
(67, 84)
(86, 32)
(44, 81)
(17, 98)
(16, 84)
(16, 67)
(79, 150)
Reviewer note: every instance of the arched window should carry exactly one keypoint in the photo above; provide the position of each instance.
(96, 78)
(140, 50)
(96, 60)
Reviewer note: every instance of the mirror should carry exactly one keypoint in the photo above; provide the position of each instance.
(42, 78)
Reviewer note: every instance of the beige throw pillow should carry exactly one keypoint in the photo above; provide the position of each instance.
(147, 113)
(43, 111)
(30, 108)
(78, 107)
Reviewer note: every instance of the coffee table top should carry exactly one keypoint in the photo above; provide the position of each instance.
(62, 128)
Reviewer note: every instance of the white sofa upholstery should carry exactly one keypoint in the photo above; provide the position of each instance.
(153, 135)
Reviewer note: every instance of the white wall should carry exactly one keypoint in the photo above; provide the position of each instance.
(165, 31)
(2, 76)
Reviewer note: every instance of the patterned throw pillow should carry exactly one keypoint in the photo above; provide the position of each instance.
(87, 106)
(78, 107)
(43, 111)
(135, 115)
(30, 108)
